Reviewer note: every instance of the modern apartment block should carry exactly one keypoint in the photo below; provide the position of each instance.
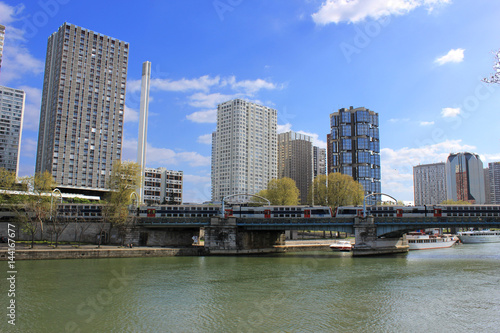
(429, 184)
(295, 160)
(494, 181)
(162, 186)
(244, 149)
(355, 148)
(465, 178)
(319, 161)
(11, 127)
(83, 101)
(2, 39)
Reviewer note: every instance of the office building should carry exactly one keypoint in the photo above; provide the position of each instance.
(487, 186)
(429, 184)
(244, 149)
(162, 186)
(494, 181)
(11, 127)
(83, 101)
(355, 148)
(319, 161)
(2, 39)
(465, 178)
(295, 160)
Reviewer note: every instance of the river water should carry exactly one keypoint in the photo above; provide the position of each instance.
(445, 290)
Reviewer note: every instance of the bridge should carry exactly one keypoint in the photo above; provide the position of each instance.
(373, 235)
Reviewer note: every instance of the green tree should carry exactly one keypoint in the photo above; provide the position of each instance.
(343, 190)
(281, 191)
(7, 179)
(455, 202)
(125, 179)
(320, 191)
(37, 207)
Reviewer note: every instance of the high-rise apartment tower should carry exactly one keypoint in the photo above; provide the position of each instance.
(429, 184)
(83, 102)
(295, 160)
(355, 148)
(11, 127)
(2, 39)
(244, 149)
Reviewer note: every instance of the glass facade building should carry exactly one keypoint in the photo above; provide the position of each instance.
(354, 148)
(465, 178)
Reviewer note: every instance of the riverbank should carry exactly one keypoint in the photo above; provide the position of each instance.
(44, 252)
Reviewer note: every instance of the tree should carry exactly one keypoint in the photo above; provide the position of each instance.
(7, 179)
(125, 179)
(455, 202)
(319, 187)
(281, 191)
(343, 190)
(37, 207)
(495, 77)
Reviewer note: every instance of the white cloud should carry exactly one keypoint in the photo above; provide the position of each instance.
(426, 123)
(398, 120)
(205, 139)
(456, 55)
(163, 156)
(450, 112)
(202, 100)
(353, 11)
(250, 87)
(28, 146)
(17, 62)
(8, 13)
(202, 83)
(397, 164)
(315, 139)
(130, 115)
(284, 128)
(33, 101)
(208, 116)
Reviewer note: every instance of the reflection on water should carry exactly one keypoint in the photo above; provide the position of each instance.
(302, 292)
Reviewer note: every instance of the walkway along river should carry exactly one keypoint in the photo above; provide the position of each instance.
(453, 289)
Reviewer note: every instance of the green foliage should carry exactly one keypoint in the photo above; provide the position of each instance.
(7, 179)
(457, 202)
(336, 190)
(281, 191)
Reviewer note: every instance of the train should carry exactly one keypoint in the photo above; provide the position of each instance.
(421, 211)
(236, 211)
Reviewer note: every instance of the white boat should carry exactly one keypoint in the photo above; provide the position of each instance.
(342, 245)
(479, 236)
(422, 241)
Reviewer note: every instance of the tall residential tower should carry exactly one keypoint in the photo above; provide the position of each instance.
(83, 102)
(355, 148)
(11, 127)
(429, 184)
(244, 148)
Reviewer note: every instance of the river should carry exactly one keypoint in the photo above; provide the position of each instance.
(454, 290)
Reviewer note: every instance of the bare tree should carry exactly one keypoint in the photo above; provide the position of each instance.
(495, 77)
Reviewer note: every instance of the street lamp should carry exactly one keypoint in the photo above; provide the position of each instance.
(51, 199)
(366, 196)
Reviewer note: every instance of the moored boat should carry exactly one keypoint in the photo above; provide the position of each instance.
(343, 245)
(422, 241)
(479, 236)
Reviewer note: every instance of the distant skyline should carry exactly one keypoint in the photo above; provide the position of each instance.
(418, 64)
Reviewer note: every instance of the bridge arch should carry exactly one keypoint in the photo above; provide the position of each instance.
(235, 195)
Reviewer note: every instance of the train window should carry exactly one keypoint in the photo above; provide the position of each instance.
(275, 215)
(281, 215)
(287, 215)
(163, 214)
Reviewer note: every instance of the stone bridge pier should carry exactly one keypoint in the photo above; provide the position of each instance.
(223, 236)
(367, 242)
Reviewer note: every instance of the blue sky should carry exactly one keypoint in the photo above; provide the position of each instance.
(417, 63)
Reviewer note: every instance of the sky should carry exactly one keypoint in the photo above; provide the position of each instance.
(417, 63)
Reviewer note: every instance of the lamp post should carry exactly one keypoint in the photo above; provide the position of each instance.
(366, 196)
(51, 199)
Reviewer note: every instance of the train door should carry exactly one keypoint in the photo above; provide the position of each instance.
(359, 212)
(399, 212)
(228, 212)
(151, 212)
(437, 212)
(267, 213)
(307, 213)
